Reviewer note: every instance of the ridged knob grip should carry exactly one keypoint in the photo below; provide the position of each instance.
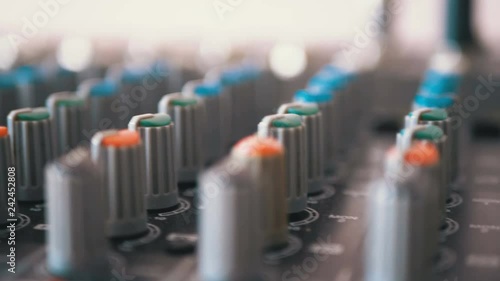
(120, 155)
(264, 159)
(69, 116)
(313, 121)
(6, 161)
(32, 142)
(218, 116)
(157, 134)
(289, 130)
(104, 104)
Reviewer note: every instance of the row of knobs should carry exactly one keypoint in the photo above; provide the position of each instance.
(407, 207)
(137, 169)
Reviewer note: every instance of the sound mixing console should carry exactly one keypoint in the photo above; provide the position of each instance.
(230, 179)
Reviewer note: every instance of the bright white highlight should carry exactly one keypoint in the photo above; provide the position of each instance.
(287, 60)
(75, 53)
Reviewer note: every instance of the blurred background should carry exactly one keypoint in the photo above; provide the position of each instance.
(292, 38)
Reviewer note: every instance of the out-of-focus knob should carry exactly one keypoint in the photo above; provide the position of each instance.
(230, 242)
(440, 118)
(68, 112)
(8, 95)
(218, 116)
(77, 246)
(120, 154)
(264, 159)
(289, 130)
(313, 121)
(188, 113)
(104, 104)
(398, 223)
(6, 162)
(242, 90)
(32, 142)
(157, 134)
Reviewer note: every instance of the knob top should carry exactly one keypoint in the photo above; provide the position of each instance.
(157, 120)
(303, 109)
(313, 94)
(422, 154)
(103, 88)
(255, 146)
(122, 138)
(282, 121)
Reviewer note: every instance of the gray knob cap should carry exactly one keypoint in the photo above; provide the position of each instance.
(434, 131)
(289, 130)
(120, 154)
(230, 245)
(6, 162)
(440, 118)
(218, 116)
(313, 121)
(400, 222)
(69, 113)
(264, 159)
(325, 102)
(188, 113)
(9, 95)
(106, 110)
(32, 142)
(157, 134)
(77, 245)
